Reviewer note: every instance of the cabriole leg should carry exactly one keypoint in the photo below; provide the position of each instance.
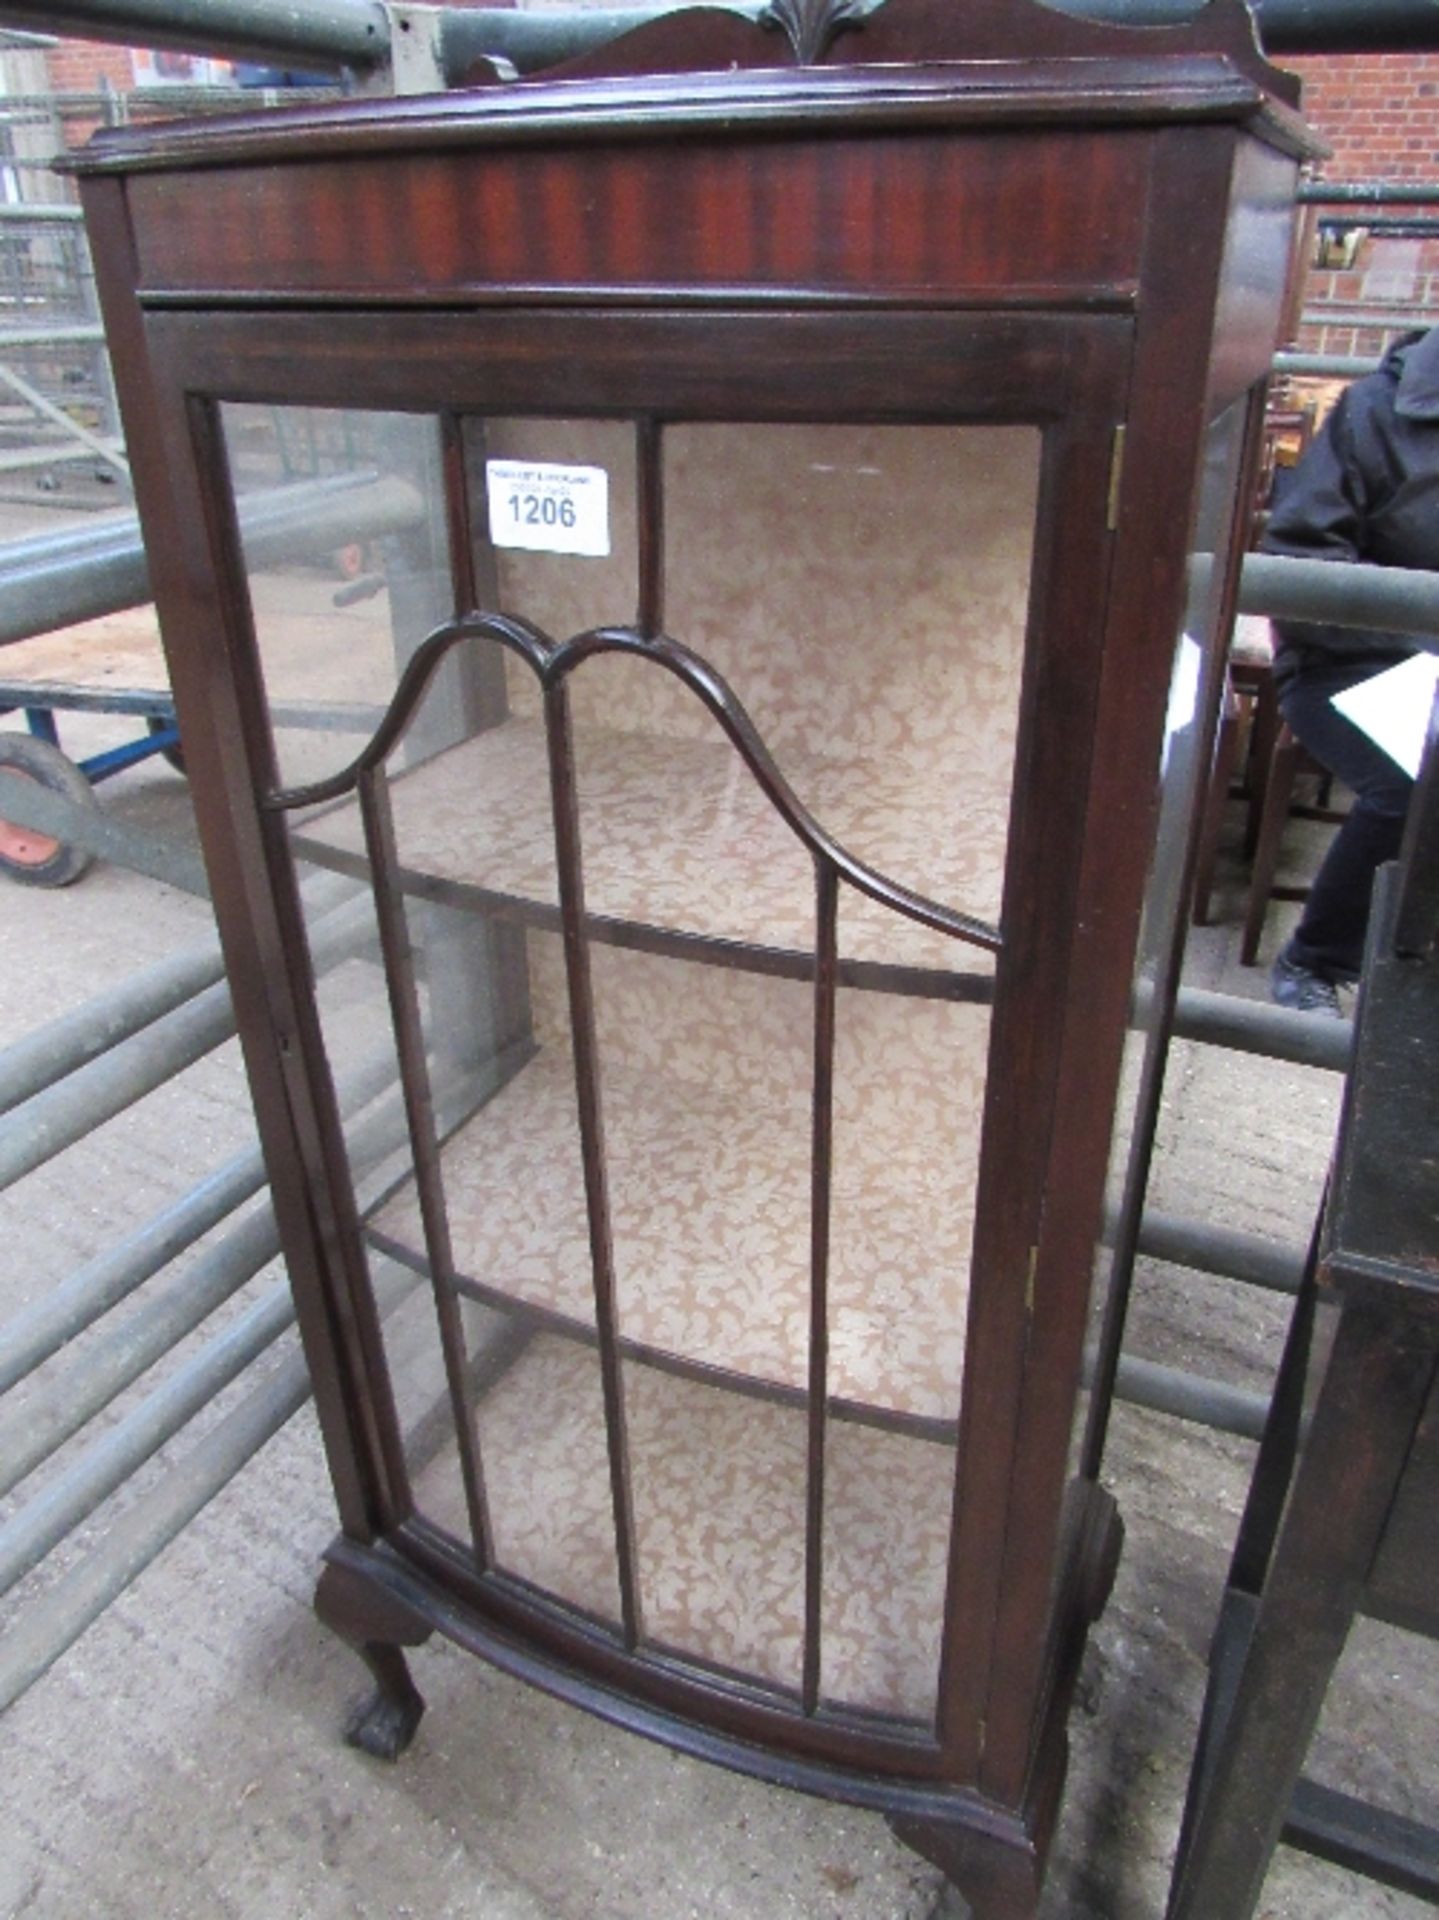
(376, 1625)
(997, 1876)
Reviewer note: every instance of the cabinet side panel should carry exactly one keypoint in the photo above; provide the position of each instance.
(1259, 258)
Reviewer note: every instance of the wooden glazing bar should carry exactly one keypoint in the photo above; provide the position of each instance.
(540, 1319)
(565, 800)
(702, 949)
(821, 1183)
(398, 957)
(649, 473)
(457, 514)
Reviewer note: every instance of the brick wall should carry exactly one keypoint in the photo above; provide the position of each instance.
(1380, 114)
(83, 66)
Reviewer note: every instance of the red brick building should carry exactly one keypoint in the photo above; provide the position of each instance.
(1380, 114)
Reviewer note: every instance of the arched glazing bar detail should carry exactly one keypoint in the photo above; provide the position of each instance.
(553, 663)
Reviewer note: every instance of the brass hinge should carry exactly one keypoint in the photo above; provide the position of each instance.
(1116, 474)
(1029, 1283)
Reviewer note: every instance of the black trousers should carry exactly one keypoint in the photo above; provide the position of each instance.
(1330, 936)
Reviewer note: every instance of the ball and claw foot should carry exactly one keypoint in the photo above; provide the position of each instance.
(384, 1725)
(376, 1624)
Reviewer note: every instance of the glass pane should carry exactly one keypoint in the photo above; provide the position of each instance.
(719, 1492)
(865, 591)
(482, 1028)
(909, 1101)
(514, 1204)
(542, 1439)
(678, 833)
(706, 1075)
(466, 811)
(1181, 775)
(416, 1362)
(888, 1498)
(561, 591)
(342, 533)
(705, 1078)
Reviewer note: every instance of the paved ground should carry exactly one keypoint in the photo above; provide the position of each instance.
(184, 1758)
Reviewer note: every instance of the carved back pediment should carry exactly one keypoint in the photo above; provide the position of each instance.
(846, 33)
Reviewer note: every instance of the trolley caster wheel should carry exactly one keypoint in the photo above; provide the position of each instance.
(175, 755)
(38, 859)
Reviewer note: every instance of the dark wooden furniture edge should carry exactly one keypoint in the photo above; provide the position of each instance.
(1341, 1828)
(1025, 93)
(911, 62)
(1313, 1548)
(385, 1589)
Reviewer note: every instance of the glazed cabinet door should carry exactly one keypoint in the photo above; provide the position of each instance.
(654, 754)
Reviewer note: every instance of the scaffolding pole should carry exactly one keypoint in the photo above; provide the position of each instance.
(359, 34)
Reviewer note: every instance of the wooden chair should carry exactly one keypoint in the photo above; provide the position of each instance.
(1287, 762)
(1244, 747)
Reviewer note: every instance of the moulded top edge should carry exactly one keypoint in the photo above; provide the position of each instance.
(739, 104)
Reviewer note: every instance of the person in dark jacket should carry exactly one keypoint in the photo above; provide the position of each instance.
(1366, 489)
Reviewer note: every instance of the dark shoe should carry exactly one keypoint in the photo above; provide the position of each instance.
(1303, 990)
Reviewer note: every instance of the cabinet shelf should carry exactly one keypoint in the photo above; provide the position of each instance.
(709, 1193)
(684, 854)
(718, 1485)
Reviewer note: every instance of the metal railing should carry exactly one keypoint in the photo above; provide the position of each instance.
(360, 35)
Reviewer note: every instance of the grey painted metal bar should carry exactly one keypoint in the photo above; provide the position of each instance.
(358, 33)
(54, 580)
(1205, 1248)
(80, 1596)
(1402, 599)
(43, 1522)
(57, 417)
(331, 33)
(533, 40)
(1255, 1026)
(66, 1311)
(1327, 366)
(68, 1042)
(1189, 1396)
(1352, 313)
(31, 1337)
(68, 333)
(41, 213)
(33, 1426)
(41, 1127)
(1313, 26)
(43, 453)
(1348, 193)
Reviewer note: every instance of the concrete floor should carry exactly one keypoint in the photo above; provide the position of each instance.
(184, 1757)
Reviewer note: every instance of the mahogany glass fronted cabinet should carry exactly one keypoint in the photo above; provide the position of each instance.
(693, 588)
